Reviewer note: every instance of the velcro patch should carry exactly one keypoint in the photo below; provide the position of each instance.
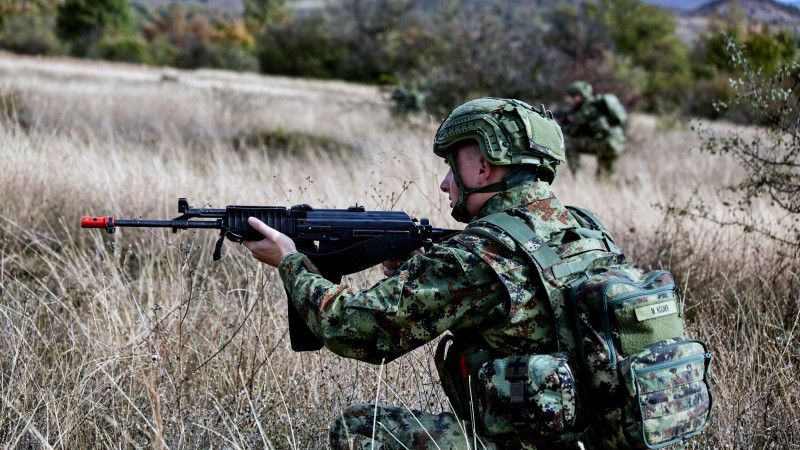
(657, 310)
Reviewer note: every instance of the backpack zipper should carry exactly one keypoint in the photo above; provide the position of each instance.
(671, 364)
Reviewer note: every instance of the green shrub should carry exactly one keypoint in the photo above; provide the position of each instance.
(210, 55)
(77, 19)
(768, 51)
(31, 35)
(769, 156)
(706, 92)
(293, 143)
(301, 47)
(163, 52)
(117, 47)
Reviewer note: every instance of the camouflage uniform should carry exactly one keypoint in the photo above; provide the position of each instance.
(588, 130)
(468, 285)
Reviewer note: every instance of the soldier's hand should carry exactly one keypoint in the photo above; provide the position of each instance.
(390, 266)
(273, 248)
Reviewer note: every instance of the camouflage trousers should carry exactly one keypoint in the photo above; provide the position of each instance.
(367, 426)
(387, 427)
(608, 150)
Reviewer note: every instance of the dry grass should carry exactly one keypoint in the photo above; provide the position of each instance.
(139, 340)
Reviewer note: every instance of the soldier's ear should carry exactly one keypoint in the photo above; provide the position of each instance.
(484, 168)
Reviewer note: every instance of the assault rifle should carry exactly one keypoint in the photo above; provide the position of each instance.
(562, 116)
(338, 241)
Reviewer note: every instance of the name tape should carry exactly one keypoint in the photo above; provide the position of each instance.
(656, 310)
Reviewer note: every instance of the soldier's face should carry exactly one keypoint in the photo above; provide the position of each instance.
(448, 185)
(468, 164)
(574, 99)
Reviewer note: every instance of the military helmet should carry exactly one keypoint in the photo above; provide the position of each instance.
(580, 87)
(509, 132)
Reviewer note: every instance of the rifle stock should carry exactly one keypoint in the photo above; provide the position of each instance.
(338, 241)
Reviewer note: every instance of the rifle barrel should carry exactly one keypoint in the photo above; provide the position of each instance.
(182, 224)
(110, 223)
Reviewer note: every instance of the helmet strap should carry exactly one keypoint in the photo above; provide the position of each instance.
(517, 177)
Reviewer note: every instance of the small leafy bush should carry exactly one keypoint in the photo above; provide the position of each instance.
(31, 35)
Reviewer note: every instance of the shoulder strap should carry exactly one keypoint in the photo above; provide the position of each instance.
(587, 220)
(533, 245)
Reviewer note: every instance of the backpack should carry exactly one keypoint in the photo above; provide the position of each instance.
(609, 106)
(637, 381)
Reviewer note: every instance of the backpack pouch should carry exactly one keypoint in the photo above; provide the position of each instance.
(668, 386)
(531, 392)
(636, 308)
(642, 312)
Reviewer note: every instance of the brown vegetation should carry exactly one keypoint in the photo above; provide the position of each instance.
(138, 339)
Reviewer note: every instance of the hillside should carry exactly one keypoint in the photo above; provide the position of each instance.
(692, 23)
(766, 11)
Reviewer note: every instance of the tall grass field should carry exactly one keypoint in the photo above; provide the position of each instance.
(139, 340)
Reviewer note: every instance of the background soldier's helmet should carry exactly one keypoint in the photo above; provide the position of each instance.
(509, 133)
(580, 87)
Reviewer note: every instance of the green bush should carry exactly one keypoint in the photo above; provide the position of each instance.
(706, 92)
(228, 57)
(31, 35)
(768, 51)
(116, 47)
(77, 18)
(201, 54)
(163, 52)
(301, 47)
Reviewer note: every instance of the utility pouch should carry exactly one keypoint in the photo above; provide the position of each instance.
(668, 386)
(530, 393)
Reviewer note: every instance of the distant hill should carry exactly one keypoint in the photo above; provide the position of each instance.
(767, 11)
(690, 5)
(692, 15)
(680, 5)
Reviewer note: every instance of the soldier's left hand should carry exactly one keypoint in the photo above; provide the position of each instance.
(273, 248)
(390, 266)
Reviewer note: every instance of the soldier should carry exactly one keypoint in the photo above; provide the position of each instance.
(593, 126)
(503, 155)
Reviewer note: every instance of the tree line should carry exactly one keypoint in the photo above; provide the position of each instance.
(433, 55)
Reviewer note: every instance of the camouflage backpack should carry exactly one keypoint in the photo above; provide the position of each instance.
(610, 107)
(625, 376)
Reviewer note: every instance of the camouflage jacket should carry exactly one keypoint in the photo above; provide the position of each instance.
(588, 127)
(469, 285)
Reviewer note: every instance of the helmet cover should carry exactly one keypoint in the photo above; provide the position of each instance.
(580, 87)
(509, 132)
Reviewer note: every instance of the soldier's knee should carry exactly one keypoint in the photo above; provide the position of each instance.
(348, 427)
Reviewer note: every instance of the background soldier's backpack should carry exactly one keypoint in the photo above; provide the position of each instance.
(640, 382)
(609, 106)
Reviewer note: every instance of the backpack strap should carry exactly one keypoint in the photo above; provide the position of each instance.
(534, 246)
(588, 220)
(543, 257)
